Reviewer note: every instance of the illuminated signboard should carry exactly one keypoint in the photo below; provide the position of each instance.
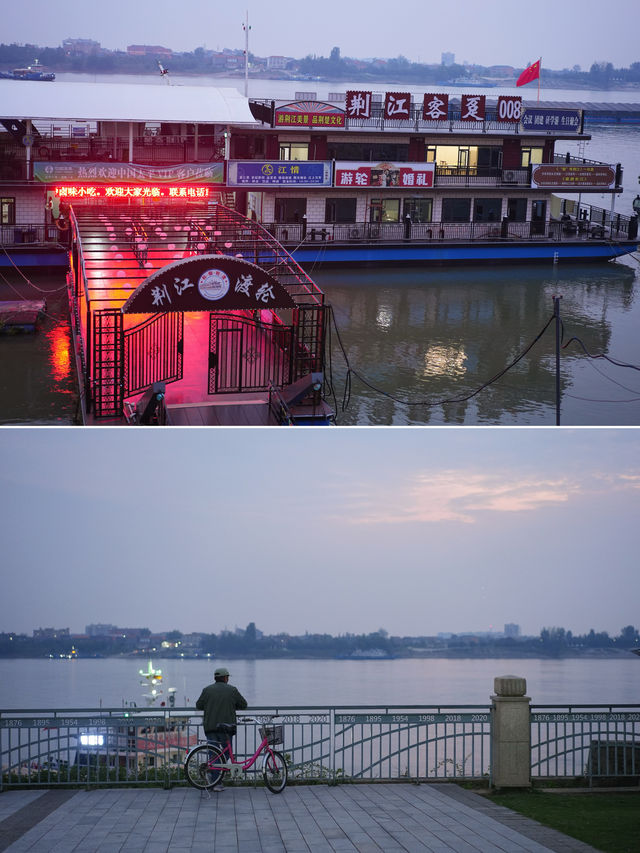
(549, 119)
(357, 175)
(208, 283)
(309, 114)
(89, 191)
(124, 173)
(258, 173)
(567, 177)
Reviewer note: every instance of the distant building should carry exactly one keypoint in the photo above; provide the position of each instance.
(511, 630)
(149, 50)
(448, 58)
(50, 633)
(100, 630)
(81, 46)
(276, 62)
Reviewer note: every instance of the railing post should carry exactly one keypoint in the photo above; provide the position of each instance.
(510, 733)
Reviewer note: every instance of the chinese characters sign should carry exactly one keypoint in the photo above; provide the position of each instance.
(361, 175)
(129, 191)
(358, 104)
(550, 119)
(258, 173)
(567, 177)
(309, 114)
(208, 283)
(435, 107)
(397, 105)
(472, 107)
(123, 173)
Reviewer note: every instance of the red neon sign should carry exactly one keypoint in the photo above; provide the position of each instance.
(131, 191)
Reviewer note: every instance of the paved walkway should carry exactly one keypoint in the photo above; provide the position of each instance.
(382, 818)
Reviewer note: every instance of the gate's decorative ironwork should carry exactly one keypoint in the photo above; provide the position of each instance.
(108, 368)
(246, 354)
(153, 352)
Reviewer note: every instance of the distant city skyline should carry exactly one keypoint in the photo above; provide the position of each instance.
(498, 33)
(417, 531)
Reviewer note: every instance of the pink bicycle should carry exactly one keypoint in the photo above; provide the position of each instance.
(206, 765)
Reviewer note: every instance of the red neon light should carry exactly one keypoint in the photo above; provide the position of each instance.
(130, 191)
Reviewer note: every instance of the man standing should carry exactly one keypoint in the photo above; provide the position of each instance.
(219, 701)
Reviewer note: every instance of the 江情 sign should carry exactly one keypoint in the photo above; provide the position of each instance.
(260, 173)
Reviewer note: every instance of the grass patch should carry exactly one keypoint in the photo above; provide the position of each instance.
(608, 822)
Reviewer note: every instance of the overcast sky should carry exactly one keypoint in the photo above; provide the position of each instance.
(333, 530)
(494, 32)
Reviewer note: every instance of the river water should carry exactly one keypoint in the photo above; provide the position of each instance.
(417, 336)
(108, 682)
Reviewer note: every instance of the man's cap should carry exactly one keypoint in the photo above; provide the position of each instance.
(221, 671)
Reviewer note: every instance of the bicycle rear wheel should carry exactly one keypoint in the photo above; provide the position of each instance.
(274, 772)
(203, 766)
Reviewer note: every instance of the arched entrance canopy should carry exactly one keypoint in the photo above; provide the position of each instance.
(208, 283)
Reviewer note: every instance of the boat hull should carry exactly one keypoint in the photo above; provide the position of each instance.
(392, 254)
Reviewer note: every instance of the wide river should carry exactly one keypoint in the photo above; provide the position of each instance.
(416, 337)
(108, 682)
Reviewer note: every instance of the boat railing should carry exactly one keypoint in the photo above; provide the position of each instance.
(22, 233)
(596, 225)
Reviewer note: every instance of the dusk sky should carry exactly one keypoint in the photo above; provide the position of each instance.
(494, 32)
(416, 531)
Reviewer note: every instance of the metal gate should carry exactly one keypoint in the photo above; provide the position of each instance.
(108, 365)
(153, 352)
(246, 354)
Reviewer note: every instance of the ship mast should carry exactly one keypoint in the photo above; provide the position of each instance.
(246, 29)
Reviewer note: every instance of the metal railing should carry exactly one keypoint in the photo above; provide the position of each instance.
(131, 746)
(595, 742)
(94, 747)
(16, 235)
(597, 225)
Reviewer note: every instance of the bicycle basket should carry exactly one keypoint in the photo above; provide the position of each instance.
(273, 734)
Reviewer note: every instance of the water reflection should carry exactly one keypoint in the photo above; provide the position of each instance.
(37, 376)
(422, 336)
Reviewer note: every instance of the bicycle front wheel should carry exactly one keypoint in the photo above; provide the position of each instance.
(274, 772)
(203, 766)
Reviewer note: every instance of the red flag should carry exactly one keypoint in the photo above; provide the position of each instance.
(529, 74)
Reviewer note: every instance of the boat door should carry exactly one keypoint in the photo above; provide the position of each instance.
(538, 216)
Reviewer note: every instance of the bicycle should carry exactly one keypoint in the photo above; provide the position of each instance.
(206, 764)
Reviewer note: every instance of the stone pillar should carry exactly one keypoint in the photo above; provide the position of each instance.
(510, 733)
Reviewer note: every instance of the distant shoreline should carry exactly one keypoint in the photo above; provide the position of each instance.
(462, 654)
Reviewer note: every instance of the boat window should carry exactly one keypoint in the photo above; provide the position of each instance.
(290, 209)
(531, 155)
(368, 152)
(456, 209)
(340, 210)
(7, 211)
(385, 210)
(487, 210)
(294, 150)
(517, 209)
(418, 209)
